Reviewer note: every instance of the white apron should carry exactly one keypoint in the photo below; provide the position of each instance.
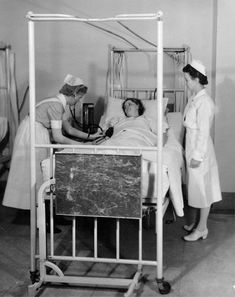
(202, 182)
(17, 192)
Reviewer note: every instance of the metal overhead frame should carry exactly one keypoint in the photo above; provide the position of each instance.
(37, 280)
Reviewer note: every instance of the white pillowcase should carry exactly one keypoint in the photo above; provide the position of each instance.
(114, 112)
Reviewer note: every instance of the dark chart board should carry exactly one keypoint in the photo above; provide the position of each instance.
(98, 185)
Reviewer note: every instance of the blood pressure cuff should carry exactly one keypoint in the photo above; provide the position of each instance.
(109, 132)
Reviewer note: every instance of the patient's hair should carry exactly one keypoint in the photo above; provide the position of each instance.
(138, 102)
(195, 74)
(68, 90)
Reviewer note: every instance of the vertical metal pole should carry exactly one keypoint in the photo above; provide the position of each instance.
(95, 238)
(140, 240)
(186, 61)
(32, 142)
(74, 237)
(51, 224)
(159, 151)
(117, 239)
(111, 72)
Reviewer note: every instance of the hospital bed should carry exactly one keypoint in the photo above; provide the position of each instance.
(172, 155)
(70, 165)
(108, 183)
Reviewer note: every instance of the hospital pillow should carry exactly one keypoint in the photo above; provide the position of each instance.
(114, 112)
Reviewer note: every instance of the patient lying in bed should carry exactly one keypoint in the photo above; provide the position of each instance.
(133, 129)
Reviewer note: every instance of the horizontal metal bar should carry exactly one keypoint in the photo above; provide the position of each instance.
(146, 90)
(90, 281)
(104, 260)
(139, 50)
(64, 17)
(96, 147)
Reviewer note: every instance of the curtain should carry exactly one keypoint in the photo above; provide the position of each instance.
(8, 92)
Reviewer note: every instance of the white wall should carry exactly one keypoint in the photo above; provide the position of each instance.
(225, 94)
(63, 48)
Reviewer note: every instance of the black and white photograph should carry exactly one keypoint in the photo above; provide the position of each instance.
(117, 167)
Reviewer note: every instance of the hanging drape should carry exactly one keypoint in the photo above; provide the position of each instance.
(8, 91)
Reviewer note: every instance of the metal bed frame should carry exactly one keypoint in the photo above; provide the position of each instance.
(146, 93)
(37, 212)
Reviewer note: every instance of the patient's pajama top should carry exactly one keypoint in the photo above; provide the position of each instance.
(203, 181)
(48, 115)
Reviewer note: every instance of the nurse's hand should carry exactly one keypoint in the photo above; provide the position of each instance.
(96, 135)
(194, 163)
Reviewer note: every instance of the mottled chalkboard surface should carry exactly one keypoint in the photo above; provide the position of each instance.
(98, 185)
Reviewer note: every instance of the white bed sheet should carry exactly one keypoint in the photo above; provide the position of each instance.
(172, 166)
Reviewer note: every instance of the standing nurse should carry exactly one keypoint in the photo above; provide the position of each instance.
(48, 127)
(202, 172)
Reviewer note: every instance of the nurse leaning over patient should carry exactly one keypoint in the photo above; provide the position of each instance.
(203, 184)
(49, 118)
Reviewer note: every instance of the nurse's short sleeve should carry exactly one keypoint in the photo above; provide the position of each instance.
(55, 114)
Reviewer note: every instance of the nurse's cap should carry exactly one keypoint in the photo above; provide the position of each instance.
(196, 64)
(73, 80)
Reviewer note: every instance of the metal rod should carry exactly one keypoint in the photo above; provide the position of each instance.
(111, 73)
(117, 239)
(159, 152)
(95, 238)
(52, 225)
(74, 237)
(64, 17)
(32, 142)
(104, 260)
(96, 148)
(140, 239)
(151, 50)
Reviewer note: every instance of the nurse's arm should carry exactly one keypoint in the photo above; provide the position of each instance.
(203, 132)
(58, 137)
(71, 131)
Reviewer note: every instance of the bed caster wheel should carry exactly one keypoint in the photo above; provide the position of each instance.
(163, 286)
(34, 276)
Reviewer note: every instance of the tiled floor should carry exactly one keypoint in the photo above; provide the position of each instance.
(205, 268)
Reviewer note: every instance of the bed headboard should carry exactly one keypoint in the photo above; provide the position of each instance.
(176, 97)
(174, 87)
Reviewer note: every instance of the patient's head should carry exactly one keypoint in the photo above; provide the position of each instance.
(133, 107)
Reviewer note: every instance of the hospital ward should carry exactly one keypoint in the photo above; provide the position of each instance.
(117, 167)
